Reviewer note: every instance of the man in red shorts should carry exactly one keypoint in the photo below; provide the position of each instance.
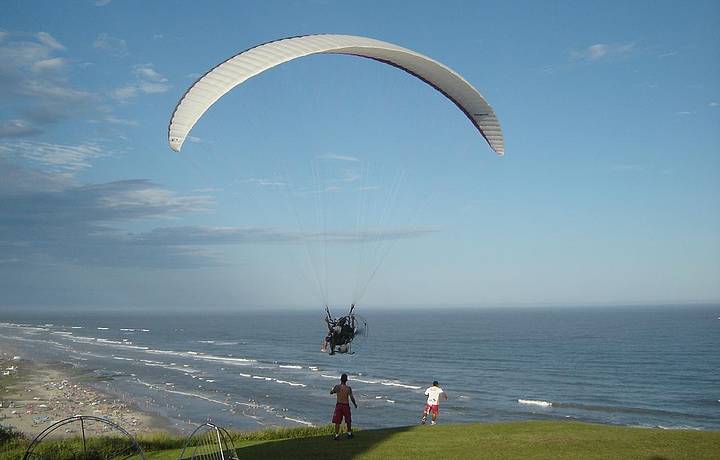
(432, 404)
(342, 408)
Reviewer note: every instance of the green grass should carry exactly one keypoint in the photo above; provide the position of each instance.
(519, 440)
(155, 445)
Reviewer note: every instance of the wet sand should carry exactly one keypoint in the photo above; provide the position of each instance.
(34, 395)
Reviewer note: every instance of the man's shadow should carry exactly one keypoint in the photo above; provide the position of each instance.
(320, 447)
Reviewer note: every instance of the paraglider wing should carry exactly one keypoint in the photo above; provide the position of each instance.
(228, 74)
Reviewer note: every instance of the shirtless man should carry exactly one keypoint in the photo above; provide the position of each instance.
(342, 408)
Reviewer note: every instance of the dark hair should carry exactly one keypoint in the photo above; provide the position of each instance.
(343, 378)
(435, 383)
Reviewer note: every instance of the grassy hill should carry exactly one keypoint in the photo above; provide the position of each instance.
(519, 440)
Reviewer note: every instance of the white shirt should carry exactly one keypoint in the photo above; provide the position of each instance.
(433, 393)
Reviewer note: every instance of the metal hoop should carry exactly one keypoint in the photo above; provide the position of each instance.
(81, 419)
(224, 442)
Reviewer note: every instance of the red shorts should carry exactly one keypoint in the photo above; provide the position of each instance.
(434, 409)
(342, 410)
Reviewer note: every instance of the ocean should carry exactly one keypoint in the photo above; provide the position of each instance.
(633, 366)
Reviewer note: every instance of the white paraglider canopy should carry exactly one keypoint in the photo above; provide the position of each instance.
(378, 221)
(236, 70)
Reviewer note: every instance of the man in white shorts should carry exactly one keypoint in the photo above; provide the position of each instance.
(432, 404)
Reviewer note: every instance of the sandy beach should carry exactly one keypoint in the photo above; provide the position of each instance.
(34, 395)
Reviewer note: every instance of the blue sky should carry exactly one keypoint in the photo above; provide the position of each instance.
(608, 193)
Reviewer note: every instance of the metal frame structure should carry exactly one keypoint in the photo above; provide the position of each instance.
(137, 450)
(218, 439)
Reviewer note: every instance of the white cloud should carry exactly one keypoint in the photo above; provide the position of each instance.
(326, 189)
(147, 72)
(3, 34)
(50, 65)
(49, 41)
(347, 177)
(102, 2)
(113, 45)
(17, 128)
(152, 87)
(16, 56)
(263, 182)
(125, 93)
(714, 104)
(34, 82)
(38, 209)
(596, 51)
(149, 81)
(331, 156)
(684, 113)
(600, 51)
(153, 200)
(16, 179)
(248, 235)
(83, 223)
(58, 93)
(53, 157)
(120, 121)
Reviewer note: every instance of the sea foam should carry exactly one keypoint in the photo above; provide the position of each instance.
(533, 402)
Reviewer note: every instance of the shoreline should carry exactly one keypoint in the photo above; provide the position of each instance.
(34, 395)
(65, 391)
(194, 375)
